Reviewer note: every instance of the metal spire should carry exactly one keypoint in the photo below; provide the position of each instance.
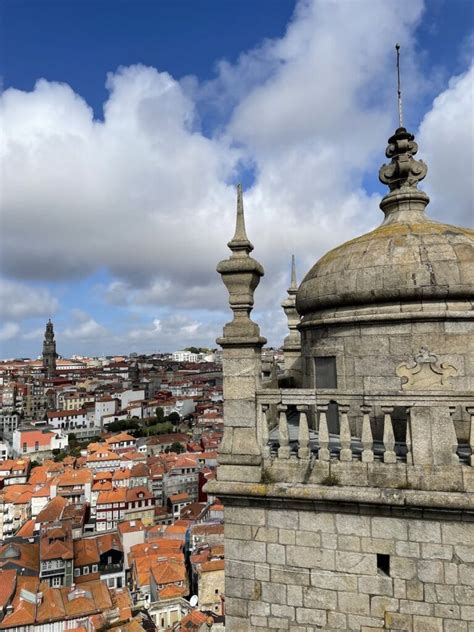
(399, 88)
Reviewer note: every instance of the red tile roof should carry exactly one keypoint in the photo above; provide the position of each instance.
(7, 586)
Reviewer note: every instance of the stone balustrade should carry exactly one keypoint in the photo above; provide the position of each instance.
(328, 426)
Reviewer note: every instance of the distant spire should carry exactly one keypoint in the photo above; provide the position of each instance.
(293, 284)
(399, 88)
(293, 340)
(240, 240)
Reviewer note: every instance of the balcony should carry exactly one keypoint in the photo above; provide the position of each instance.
(104, 569)
(52, 572)
(402, 441)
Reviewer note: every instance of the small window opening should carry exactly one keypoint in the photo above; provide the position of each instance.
(325, 371)
(383, 564)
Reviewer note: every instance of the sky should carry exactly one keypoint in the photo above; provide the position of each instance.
(126, 125)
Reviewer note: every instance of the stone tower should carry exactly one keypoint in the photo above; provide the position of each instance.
(134, 375)
(349, 488)
(49, 351)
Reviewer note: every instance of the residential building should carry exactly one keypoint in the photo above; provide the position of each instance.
(105, 407)
(110, 508)
(9, 421)
(103, 459)
(111, 559)
(182, 475)
(122, 442)
(185, 356)
(38, 443)
(56, 554)
(15, 508)
(74, 485)
(37, 607)
(177, 502)
(75, 422)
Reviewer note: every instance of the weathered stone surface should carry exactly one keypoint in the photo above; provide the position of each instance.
(377, 585)
(358, 563)
(427, 624)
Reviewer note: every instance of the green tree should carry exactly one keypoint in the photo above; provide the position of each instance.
(59, 455)
(173, 417)
(160, 414)
(176, 447)
(192, 349)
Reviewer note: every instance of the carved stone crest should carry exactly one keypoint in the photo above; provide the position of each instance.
(425, 373)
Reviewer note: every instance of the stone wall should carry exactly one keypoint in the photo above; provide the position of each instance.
(368, 353)
(303, 568)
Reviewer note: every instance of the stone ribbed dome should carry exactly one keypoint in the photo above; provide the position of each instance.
(408, 258)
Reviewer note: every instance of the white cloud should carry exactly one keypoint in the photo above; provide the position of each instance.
(18, 300)
(146, 196)
(35, 334)
(176, 331)
(8, 331)
(84, 328)
(445, 140)
(126, 194)
(146, 333)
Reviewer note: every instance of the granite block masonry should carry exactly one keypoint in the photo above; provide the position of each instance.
(348, 479)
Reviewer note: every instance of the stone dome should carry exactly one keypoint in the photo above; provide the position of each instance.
(395, 262)
(408, 258)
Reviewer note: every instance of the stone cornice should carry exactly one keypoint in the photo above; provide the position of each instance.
(314, 494)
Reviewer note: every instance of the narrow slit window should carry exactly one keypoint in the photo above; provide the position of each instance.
(383, 564)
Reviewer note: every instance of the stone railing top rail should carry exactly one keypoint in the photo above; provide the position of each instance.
(301, 396)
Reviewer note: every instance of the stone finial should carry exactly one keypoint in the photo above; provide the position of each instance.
(289, 307)
(240, 240)
(293, 285)
(403, 172)
(241, 275)
(402, 175)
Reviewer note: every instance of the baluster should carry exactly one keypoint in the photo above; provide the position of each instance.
(367, 438)
(265, 433)
(408, 439)
(454, 437)
(470, 410)
(283, 433)
(389, 455)
(303, 433)
(344, 433)
(323, 433)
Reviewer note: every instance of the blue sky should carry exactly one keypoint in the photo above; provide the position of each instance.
(120, 164)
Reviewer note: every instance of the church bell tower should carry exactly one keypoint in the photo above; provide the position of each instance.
(49, 351)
